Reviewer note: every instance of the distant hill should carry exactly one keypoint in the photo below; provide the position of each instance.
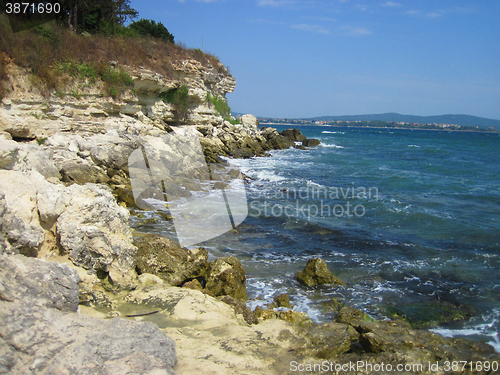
(464, 120)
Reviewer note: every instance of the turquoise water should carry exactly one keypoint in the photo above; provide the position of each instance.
(409, 219)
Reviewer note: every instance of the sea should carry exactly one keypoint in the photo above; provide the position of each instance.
(409, 219)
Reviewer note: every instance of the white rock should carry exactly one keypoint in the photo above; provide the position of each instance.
(73, 146)
(96, 233)
(8, 153)
(33, 157)
(251, 123)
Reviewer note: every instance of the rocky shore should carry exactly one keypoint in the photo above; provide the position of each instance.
(81, 293)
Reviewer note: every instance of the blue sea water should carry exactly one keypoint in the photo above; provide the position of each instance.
(409, 219)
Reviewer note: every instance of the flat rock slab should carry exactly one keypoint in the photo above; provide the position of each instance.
(37, 340)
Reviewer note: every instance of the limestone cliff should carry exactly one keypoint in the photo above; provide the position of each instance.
(83, 107)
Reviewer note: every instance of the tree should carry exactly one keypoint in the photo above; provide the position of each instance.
(151, 28)
(123, 11)
(97, 15)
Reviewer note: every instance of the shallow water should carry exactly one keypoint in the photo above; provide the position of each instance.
(409, 219)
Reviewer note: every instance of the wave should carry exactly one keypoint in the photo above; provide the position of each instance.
(331, 145)
(414, 146)
(329, 132)
(486, 329)
(267, 176)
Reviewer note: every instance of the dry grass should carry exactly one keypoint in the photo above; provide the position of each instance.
(3, 75)
(43, 49)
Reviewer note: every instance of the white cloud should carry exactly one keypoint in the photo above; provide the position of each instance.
(357, 31)
(274, 3)
(413, 12)
(418, 13)
(391, 4)
(314, 28)
(434, 14)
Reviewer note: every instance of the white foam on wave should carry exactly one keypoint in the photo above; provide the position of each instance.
(329, 132)
(312, 183)
(265, 290)
(332, 145)
(416, 146)
(266, 175)
(495, 342)
(482, 329)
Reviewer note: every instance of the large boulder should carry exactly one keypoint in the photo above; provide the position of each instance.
(250, 123)
(328, 340)
(33, 157)
(54, 285)
(165, 258)
(311, 142)
(19, 224)
(95, 232)
(293, 134)
(275, 140)
(82, 172)
(317, 272)
(8, 153)
(226, 277)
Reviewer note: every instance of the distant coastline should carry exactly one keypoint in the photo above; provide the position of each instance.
(375, 125)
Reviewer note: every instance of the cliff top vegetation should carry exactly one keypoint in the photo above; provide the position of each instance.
(86, 44)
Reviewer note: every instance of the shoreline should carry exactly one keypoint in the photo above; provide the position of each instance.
(380, 127)
(457, 333)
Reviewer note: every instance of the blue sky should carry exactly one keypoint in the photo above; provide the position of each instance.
(306, 58)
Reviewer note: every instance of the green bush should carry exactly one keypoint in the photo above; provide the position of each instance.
(222, 108)
(151, 28)
(115, 81)
(180, 99)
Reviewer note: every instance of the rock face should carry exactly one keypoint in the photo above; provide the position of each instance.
(41, 333)
(165, 258)
(82, 223)
(317, 272)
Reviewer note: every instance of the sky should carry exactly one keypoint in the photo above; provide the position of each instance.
(307, 58)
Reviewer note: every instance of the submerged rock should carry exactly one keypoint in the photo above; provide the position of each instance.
(283, 300)
(317, 272)
(432, 313)
(311, 142)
